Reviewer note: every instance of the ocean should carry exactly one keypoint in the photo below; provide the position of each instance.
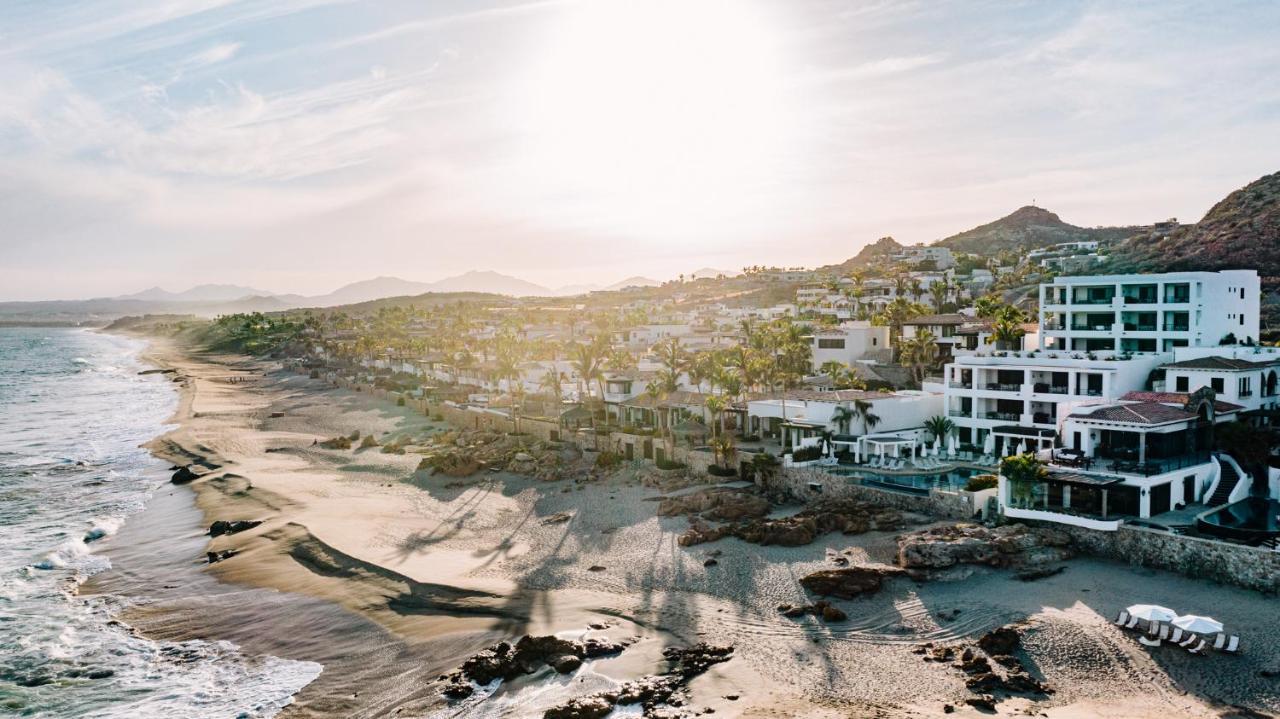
(73, 411)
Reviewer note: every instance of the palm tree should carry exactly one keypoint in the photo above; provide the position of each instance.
(895, 314)
(862, 412)
(551, 382)
(588, 363)
(674, 361)
(938, 292)
(940, 427)
(1007, 330)
(843, 417)
(919, 353)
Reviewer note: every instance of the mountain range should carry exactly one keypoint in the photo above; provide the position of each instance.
(1027, 228)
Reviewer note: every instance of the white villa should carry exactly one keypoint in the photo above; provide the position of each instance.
(848, 343)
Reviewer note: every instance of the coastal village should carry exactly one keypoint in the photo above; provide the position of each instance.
(1003, 416)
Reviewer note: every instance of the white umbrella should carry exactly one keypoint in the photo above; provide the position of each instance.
(937, 446)
(1152, 612)
(1198, 624)
(989, 444)
(1022, 447)
(951, 445)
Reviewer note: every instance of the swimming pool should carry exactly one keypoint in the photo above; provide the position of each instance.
(1252, 520)
(952, 479)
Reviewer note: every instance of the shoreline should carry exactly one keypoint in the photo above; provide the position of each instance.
(400, 577)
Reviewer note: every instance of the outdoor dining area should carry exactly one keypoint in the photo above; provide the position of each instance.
(1159, 625)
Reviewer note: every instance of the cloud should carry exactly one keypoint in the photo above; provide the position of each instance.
(214, 55)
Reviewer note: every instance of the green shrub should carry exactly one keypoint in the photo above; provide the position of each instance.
(668, 464)
(806, 454)
(716, 470)
(608, 460)
(437, 417)
(400, 401)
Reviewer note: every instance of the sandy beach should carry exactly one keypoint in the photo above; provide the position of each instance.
(390, 578)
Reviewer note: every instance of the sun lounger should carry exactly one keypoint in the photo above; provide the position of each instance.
(1120, 620)
(1149, 640)
(1223, 643)
(1233, 644)
(1177, 635)
(1164, 632)
(1133, 623)
(1191, 639)
(1198, 648)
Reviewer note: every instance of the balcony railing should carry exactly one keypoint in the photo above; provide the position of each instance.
(1004, 416)
(1004, 387)
(1093, 300)
(1144, 300)
(1091, 327)
(1134, 327)
(961, 385)
(1046, 388)
(1177, 299)
(959, 413)
(1088, 392)
(1168, 327)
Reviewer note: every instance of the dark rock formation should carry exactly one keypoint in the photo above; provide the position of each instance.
(215, 557)
(186, 474)
(1013, 545)
(849, 582)
(221, 527)
(506, 662)
(822, 609)
(652, 693)
(719, 505)
(846, 516)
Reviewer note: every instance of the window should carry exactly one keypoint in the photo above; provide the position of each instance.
(1244, 386)
(1180, 384)
(830, 344)
(1217, 384)
(875, 341)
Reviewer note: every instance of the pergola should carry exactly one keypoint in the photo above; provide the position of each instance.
(864, 445)
(1015, 434)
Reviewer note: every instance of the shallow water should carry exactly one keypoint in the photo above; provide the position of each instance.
(73, 412)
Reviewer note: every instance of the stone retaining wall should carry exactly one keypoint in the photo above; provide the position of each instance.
(1249, 567)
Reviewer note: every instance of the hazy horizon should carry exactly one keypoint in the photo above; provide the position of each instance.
(307, 144)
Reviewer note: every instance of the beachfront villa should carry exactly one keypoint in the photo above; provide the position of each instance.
(1121, 396)
(848, 343)
(801, 418)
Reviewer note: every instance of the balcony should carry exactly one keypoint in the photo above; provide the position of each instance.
(1095, 327)
(1003, 387)
(1177, 299)
(1042, 418)
(959, 413)
(1046, 388)
(1135, 327)
(1093, 300)
(1004, 416)
(960, 385)
(1084, 391)
(1141, 300)
(1176, 327)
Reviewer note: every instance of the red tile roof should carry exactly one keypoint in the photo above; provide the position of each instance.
(1178, 398)
(1149, 413)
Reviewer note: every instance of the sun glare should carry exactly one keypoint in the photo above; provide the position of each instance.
(657, 115)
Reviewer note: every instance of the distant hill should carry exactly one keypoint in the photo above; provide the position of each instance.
(633, 282)
(1240, 232)
(1026, 229)
(199, 293)
(489, 282)
(878, 250)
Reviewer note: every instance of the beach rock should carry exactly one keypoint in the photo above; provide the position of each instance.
(822, 609)
(557, 518)
(596, 568)
(846, 516)
(588, 707)
(1002, 640)
(186, 474)
(1007, 546)
(711, 562)
(215, 557)
(1031, 574)
(221, 527)
(565, 663)
(849, 582)
(986, 703)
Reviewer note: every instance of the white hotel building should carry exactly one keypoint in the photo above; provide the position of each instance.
(1117, 386)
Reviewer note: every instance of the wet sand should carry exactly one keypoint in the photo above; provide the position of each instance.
(389, 578)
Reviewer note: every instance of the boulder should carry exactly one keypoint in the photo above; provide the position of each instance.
(849, 582)
(221, 527)
(186, 474)
(1002, 640)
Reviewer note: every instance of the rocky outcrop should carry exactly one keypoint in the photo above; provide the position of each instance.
(822, 609)
(189, 473)
(849, 582)
(528, 655)
(1014, 545)
(991, 666)
(653, 693)
(719, 505)
(845, 516)
(221, 527)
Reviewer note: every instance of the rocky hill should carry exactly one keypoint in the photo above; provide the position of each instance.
(1240, 232)
(878, 250)
(1027, 228)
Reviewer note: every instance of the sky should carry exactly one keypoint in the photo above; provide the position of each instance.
(297, 145)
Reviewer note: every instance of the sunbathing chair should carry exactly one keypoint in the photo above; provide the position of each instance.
(1223, 643)
(1177, 635)
(1164, 632)
(1120, 620)
(1148, 640)
(1190, 639)
(1133, 623)
(1198, 648)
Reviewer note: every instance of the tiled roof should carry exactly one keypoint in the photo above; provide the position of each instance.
(1150, 413)
(1178, 398)
(1220, 363)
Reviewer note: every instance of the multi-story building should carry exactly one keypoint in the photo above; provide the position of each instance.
(1149, 313)
(848, 343)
